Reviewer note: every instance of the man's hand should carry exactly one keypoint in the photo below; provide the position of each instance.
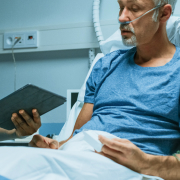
(25, 125)
(124, 152)
(127, 154)
(43, 142)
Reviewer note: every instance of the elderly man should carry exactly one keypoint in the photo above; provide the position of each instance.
(134, 94)
(25, 127)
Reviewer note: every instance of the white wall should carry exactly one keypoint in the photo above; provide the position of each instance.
(55, 71)
(62, 24)
(15, 14)
(34, 13)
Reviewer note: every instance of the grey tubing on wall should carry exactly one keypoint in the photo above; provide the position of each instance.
(97, 27)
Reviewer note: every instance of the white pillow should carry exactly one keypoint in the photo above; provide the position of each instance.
(173, 30)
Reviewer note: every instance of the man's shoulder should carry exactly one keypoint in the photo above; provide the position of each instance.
(112, 57)
(118, 53)
(110, 60)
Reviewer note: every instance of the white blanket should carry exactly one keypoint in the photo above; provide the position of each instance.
(76, 160)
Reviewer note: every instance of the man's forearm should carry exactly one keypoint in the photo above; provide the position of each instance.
(7, 134)
(78, 125)
(84, 116)
(166, 167)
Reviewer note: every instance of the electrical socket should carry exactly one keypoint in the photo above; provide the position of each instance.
(20, 43)
(28, 39)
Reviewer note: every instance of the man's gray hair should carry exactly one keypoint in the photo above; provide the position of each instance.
(161, 2)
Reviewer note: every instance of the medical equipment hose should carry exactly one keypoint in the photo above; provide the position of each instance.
(96, 22)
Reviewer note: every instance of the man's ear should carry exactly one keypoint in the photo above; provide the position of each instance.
(165, 13)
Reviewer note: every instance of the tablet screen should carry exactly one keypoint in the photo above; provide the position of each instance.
(27, 98)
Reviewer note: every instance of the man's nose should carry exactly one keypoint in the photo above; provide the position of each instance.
(124, 15)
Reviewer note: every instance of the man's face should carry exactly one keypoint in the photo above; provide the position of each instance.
(142, 30)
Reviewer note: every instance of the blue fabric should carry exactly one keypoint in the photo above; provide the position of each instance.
(3, 178)
(137, 103)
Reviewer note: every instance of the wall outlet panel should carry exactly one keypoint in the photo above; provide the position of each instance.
(28, 40)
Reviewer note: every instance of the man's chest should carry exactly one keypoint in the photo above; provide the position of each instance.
(129, 89)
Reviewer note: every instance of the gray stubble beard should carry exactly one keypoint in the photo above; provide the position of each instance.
(129, 41)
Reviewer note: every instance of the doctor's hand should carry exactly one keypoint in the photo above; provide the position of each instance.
(25, 125)
(43, 142)
(124, 152)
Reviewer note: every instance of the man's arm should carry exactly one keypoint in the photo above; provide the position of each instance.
(124, 152)
(84, 116)
(166, 167)
(7, 134)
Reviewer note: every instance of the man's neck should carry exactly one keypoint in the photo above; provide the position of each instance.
(156, 53)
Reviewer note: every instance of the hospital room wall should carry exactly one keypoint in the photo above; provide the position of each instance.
(55, 71)
(19, 13)
(24, 14)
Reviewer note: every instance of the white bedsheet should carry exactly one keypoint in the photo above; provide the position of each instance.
(74, 161)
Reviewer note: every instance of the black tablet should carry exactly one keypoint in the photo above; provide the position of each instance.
(28, 97)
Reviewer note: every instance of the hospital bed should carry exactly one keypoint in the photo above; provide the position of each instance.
(77, 161)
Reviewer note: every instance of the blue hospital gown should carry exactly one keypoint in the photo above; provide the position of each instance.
(137, 103)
